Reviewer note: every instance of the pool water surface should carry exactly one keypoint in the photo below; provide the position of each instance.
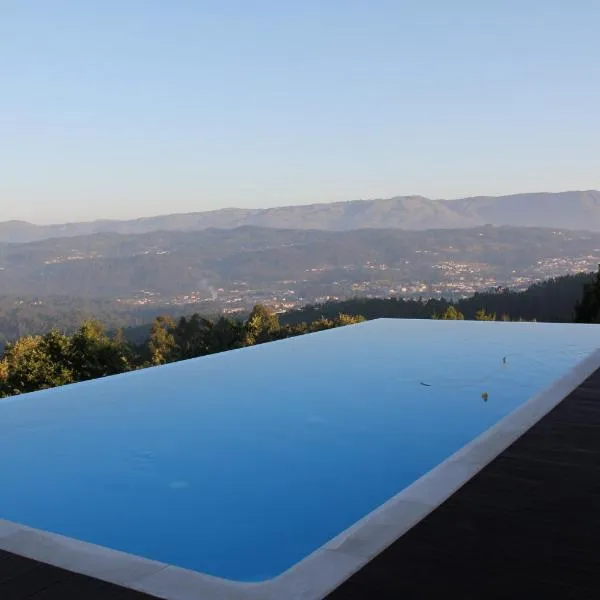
(241, 464)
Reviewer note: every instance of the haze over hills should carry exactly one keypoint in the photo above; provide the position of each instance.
(240, 266)
(578, 210)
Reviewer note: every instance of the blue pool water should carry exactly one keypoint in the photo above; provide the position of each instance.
(241, 464)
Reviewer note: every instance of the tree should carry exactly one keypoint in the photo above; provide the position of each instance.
(481, 315)
(56, 349)
(321, 324)
(38, 362)
(191, 337)
(344, 319)
(35, 363)
(450, 314)
(261, 326)
(587, 310)
(4, 375)
(93, 354)
(161, 344)
(225, 334)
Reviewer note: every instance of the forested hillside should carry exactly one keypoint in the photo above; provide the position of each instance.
(553, 300)
(30, 315)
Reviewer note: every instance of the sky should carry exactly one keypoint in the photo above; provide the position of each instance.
(129, 108)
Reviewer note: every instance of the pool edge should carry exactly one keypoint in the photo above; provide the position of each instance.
(327, 567)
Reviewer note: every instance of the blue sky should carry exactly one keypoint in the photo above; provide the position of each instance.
(125, 108)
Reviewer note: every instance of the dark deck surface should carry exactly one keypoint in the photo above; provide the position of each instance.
(25, 578)
(527, 526)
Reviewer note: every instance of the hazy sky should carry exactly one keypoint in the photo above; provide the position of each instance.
(124, 108)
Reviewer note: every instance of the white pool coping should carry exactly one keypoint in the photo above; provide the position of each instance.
(325, 569)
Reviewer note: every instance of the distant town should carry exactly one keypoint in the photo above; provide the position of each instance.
(448, 279)
(230, 271)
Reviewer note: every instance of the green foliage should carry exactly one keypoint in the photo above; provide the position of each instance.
(39, 362)
(343, 319)
(94, 354)
(191, 337)
(450, 314)
(29, 315)
(481, 315)
(34, 363)
(587, 310)
(550, 301)
(261, 326)
(161, 344)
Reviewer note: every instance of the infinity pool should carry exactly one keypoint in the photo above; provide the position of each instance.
(241, 464)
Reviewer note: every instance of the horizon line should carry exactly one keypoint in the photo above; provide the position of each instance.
(282, 206)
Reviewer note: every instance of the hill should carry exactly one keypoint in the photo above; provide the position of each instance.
(570, 210)
(552, 300)
(305, 264)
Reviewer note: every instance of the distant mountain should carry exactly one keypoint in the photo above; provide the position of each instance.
(571, 210)
(166, 264)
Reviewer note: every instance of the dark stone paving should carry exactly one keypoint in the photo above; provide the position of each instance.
(22, 577)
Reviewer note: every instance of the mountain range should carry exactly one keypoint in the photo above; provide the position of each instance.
(578, 210)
